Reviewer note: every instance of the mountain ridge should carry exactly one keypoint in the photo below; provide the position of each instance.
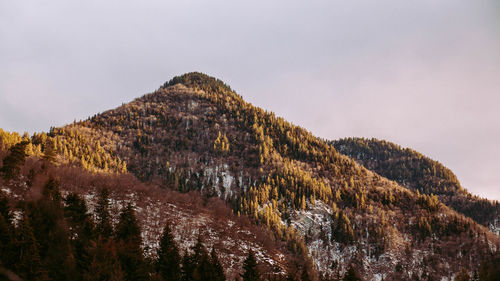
(418, 172)
(196, 134)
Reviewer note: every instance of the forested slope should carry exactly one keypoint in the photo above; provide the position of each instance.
(64, 223)
(418, 172)
(196, 134)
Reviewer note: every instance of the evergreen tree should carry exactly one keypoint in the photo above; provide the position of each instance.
(251, 273)
(188, 267)
(201, 262)
(103, 219)
(127, 228)
(82, 230)
(4, 208)
(105, 265)
(13, 162)
(217, 270)
(128, 239)
(50, 153)
(51, 232)
(168, 265)
(199, 265)
(6, 244)
(203, 270)
(29, 264)
(342, 230)
(6, 233)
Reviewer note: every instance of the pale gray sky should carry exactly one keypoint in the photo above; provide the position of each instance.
(424, 74)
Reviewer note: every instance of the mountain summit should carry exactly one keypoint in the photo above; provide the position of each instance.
(195, 135)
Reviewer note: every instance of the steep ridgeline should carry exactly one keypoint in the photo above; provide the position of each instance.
(418, 172)
(195, 133)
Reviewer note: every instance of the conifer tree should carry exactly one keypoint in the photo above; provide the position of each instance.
(128, 239)
(6, 232)
(341, 228)
(50, 152)
(188, 267)
(29, 264)
(7, 247)
(199, 265)
(127, 228)
(168, 265)
(200, 261)
(103, 219)
(6, 243)
(217, 270)
(82, 230)
(4, 208)
(105, 264)
(251, 273)
(78, 218)
(51, 232)
(13, 162)
(203, 270)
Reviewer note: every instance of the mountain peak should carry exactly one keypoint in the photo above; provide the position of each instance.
(197, 135)
(199, 80)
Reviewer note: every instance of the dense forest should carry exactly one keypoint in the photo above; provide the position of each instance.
(46, 222)
(413, 170)
(331, 218)
(57, 238)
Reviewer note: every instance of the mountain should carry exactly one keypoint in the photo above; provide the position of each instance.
(415, 171)
(324, 215)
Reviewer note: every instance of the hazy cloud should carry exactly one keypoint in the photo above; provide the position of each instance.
(424, 74)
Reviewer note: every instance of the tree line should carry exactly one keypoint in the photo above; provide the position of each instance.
(57, 238)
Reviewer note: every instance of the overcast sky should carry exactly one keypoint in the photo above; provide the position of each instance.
(424, 74)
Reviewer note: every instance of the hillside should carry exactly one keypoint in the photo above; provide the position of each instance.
(418, 172)
(195, 134)
(189, 215)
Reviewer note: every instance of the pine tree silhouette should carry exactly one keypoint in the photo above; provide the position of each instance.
(128, 239)
(251, 273)
(217, 270)
(103, 219)
(30, 265)
(82, 228)
(168, 263)
(13, 162)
